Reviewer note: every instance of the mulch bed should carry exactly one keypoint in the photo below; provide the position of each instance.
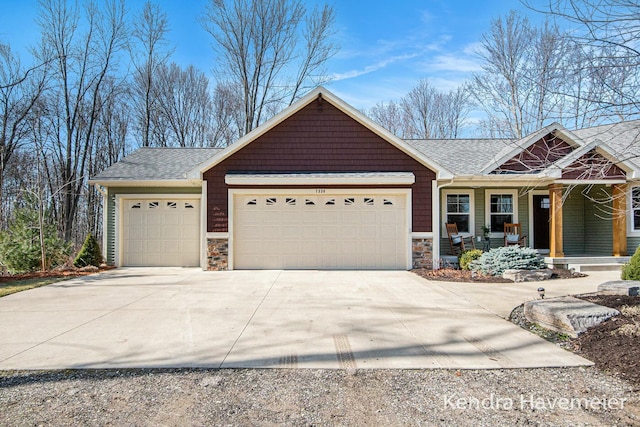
(452, 275)
(612, 346)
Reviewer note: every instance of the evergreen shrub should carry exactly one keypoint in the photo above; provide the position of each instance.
(90, 253)
(631, 271)
(497, 260)
(465, 258)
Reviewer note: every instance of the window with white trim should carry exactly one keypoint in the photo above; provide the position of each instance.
(635, 209)
(457, 207)
(501, 207)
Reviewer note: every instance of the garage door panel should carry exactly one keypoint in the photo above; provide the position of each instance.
(332, 231)
(161, 232)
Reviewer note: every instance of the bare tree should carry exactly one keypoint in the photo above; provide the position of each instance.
(522, 64)
(390, 116)
(81, 64)
(19, 92)
(258, 46)
(185, 105)
(607, 32)
(150, 29)
(425, 113)
(227, 117)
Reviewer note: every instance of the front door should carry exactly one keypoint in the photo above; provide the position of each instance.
(541, 221)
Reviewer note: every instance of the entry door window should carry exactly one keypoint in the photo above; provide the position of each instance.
(635, 207)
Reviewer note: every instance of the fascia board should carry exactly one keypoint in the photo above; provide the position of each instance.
(147, 183)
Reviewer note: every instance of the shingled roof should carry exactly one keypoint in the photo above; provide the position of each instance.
(461, 156)
(156, 164)
(622, 137)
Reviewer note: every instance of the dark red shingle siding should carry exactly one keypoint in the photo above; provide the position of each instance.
(318, 141)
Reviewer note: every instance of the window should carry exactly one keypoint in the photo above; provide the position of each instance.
(349, 201)
(457, 206)
(502, 206)
(153, 205)
(387, 202)
(458, 211)
(368, 201)
(635, 208)
(172, 205)
(271, 201)
(290, 201)
(188, 205)
(309, 202)
(136, 206)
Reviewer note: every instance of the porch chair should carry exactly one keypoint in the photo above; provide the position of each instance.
(513, 235)
(457, 241)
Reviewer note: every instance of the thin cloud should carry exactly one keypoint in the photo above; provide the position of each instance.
(454, 63)
(371, 68)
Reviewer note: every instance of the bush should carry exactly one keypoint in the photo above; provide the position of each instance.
(89, 254)
(631, 271)
(20, 248)
(467, 257)
(497, 260)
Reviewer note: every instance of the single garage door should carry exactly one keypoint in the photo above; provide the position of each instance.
(161, 232)
(305, 231)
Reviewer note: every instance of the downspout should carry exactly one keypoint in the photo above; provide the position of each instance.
(435, 202)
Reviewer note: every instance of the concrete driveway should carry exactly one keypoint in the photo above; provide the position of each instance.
(174, 317)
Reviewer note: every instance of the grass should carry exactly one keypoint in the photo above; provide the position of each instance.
(14, 286)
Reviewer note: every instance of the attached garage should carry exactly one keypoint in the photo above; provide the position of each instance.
(160, 232)
(339, 229)
(318, 186)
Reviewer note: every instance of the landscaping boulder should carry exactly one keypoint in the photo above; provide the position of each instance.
(620, 287)
(567, 315)
(527, 275)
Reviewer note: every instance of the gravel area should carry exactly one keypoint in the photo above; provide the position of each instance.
(522, 397)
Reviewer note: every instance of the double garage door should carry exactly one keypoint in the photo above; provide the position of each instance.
(161, 232)
(326, 231)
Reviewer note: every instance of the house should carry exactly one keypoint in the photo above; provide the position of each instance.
(321, 186)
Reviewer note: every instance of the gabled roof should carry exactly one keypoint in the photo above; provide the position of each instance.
(623, 139)
(521, 145)
(159, 165)
(631, 169)
(320, 93)
(477, 158)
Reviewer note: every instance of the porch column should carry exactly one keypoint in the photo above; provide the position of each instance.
(555, 221)
(619, 219)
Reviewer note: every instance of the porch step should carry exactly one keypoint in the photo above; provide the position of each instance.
(588, 263)
(583, 268)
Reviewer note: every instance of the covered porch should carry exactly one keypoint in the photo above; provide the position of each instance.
(587, 225)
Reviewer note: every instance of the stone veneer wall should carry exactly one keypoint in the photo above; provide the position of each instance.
(217, 254)
(422, 250)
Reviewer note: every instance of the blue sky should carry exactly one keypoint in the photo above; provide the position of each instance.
(386, 46)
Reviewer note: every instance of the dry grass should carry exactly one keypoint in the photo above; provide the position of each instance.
(630, 311)
(631, 330)
(12, 287)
